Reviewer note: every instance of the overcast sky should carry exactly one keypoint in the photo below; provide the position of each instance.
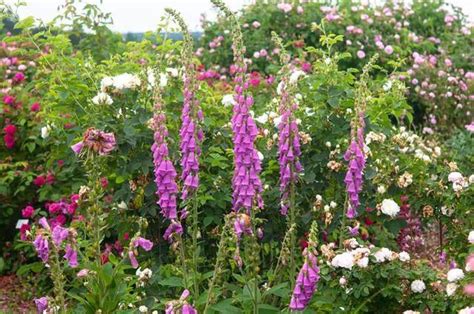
(144, 15)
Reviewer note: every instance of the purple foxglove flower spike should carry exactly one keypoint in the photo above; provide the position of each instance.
(190, 135)
(306, 282)
(288, 144)
(165, 173)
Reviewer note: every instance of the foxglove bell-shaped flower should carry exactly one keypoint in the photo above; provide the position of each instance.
(71, 256)
(42, 247)
(306, 282)
(145, 244)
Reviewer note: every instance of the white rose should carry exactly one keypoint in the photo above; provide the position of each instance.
(342, 281)
(451, 288)
(411, 312)
(143, 309)
(102, 99)
(363, 262)
(163, 79)
(455, 274)
(466, 310)
(470, 237)
(277, 121)
(343, 260)
(454, 176)
(295, 76)
(45, 131)
(106, 82)
(381, 189)
(390, 208)
(404, 256)
(418, 286)
(262, 119)
(383, 255)
(228, 100)
(172, 71)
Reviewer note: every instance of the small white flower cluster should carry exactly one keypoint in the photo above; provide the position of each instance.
(374, 137)
(466, 310)
(143, 276)
(390, 208)
(102, 98)
(405, 180)
(459, 181)
(470, 237)
(228, 100)
(409, 142)
(359, 256)
(120, 82)
(418, 286)
(455, 274)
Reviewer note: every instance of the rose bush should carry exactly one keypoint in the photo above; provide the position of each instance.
(287, 180)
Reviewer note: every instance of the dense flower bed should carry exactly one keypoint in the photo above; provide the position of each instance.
(296, 174)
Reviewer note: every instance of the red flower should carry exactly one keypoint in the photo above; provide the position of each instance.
(18, 77)
(35, 107)
(23, 229)
(254, 79)
(27, 212)
(9, 140)
(10, 129)
(50, 178)
(368, 222)
(8, 100)
(39, 181)
(104, 182)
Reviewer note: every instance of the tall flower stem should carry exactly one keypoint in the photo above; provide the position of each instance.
(58, 279)
(292, 222)
(288, 145)
(195, 231)
(191, 136)
(221, 253)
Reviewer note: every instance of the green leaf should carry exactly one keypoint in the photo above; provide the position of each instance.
(226, 307)
(172, 282)
(25, 23)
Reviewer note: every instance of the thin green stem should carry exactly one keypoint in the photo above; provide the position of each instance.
(58, 279)
(195, 248)
(219, 260)
(183, 260)
(343, 222)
